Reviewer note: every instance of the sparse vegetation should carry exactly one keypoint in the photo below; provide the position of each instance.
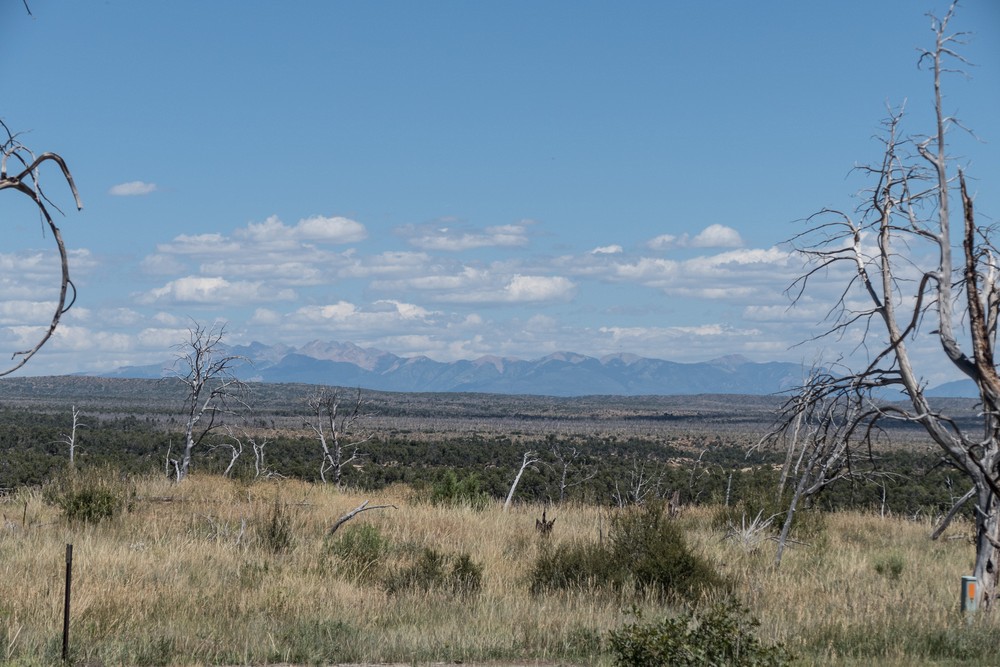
(177, 580)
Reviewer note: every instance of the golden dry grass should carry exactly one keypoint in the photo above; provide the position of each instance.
(187, 576)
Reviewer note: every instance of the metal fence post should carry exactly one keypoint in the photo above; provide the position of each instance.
(69, 581)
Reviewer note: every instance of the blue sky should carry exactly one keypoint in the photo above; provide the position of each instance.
(457, 179)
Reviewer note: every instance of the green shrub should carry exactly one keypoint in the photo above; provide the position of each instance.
(465, 576)
(450, 490)
(725, 634)
(656, 553)
(91, 496)
(890, 566)
(459, 575)
(359, 550)
(574, 565)
(645, 549)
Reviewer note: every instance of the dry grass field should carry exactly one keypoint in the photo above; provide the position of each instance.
(214, 571)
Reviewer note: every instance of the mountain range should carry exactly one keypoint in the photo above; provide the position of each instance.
(558, 374)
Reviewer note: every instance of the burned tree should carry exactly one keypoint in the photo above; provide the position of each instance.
(897, 250)
(25, 179)
(336, 423)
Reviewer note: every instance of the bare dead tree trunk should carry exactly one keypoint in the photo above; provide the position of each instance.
(566, 458)
(212, 387)
(363, 507)
(529, 459)
(336, 426)
(69, 439)
(899, 253)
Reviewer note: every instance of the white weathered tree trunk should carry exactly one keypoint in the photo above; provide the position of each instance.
(527, 461)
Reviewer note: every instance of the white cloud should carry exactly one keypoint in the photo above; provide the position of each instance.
(330, 230)
(607, 250)
(717, 236)
(532, 289)
(215, 291)
(662, 242)
(16, 312)
(333, 230)
(456, 237)
(713, 236)
(199, 244)
(132, 189)
(265, 317)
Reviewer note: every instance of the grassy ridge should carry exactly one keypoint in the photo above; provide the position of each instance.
(221, 572)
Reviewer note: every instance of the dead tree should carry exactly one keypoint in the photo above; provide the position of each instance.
(25, 179)
(337, 427)
(571, 473)
(894, 255)
(69, 439)
(644, 481)
(236, 442)
(363, 507)
(211, 388)
(529, 459)
(826, 443)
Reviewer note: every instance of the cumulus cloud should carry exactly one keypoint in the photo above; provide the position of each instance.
(662, 242)
(456, 236)
(213, 290)
(267, 252)
(518, 289)
(317, 228)
(379, 318)
(713, 236)
(132, 189)
(717, 236)
(492, 285)
(607, 250)
(20, 312)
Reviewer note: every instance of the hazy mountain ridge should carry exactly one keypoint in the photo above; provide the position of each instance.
(557, 374)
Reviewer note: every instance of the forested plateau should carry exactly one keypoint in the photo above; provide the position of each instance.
(602, 450)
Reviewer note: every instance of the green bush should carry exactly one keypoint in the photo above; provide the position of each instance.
(359, 550)
(91, 496)
(725, 634)
(459, 575)
(890, 566)
(656, 553)
(450, 490)
(644, 549)
(574, 565)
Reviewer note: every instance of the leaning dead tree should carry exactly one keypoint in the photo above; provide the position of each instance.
(825, 442)
(527, 461)
(20, 172)
(919, 276)
(336, 423)
(211, 388)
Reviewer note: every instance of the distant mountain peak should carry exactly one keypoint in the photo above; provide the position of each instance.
(498, 363)
(730, 361)
(558, 374)
(568, 357)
